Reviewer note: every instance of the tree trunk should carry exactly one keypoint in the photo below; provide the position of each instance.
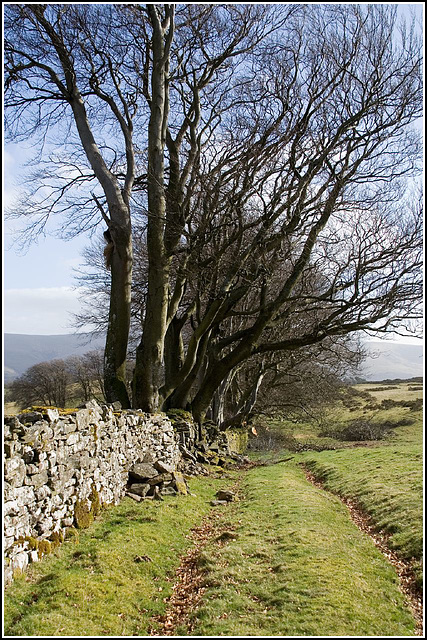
(119, 318)
(179, 399)
(174, 350)
(121, 265)
(119, 221)
(149, 355)
(244, 411)
(204, 396)
(218, 400)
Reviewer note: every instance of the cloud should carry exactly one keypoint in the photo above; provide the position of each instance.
(40, 311)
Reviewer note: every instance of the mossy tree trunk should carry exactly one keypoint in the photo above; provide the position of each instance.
(119, 317)
(149, 355)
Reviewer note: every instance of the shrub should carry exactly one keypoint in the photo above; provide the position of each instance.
(270, 439)
(360, 429)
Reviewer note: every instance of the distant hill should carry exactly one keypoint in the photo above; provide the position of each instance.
(22, 351)
(390, 360)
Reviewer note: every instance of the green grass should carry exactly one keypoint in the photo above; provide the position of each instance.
(387, 483)
(359, 402)
(385, 476)
(95, 587)
(297, 567)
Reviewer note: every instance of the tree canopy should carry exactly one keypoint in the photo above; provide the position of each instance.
(257, 160)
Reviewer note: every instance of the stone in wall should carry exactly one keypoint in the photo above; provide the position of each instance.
(59, 463)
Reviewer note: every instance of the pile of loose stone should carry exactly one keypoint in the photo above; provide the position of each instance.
(152, 480)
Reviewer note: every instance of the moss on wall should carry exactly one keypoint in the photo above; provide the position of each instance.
(56, 539)
(44, 548)
(83, 517)
(96, 502)
(72, 534)
(43, 409)
(237, 440)
(178, 415)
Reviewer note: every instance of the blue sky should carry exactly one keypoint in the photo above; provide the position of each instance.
(39, 291)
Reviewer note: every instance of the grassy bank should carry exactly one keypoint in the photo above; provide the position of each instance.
(385, 476)
(289, 561)
(295, 564)
(387, 483)
(118, 574)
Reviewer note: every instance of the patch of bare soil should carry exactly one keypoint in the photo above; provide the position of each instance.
(188, 588)
(402, 568)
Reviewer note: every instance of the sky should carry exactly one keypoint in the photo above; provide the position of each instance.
(40, 293)
(39, 290)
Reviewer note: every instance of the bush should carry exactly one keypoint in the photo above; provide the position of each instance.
(269, 439)
(413, 405)
(358, 430)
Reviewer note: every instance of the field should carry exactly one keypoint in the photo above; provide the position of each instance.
(384, 476)
(286, 560)
(114, 576)
(296, 565)
(74, 399)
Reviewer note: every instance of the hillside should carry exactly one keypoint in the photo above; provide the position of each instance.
(22, 351)
(389, 360)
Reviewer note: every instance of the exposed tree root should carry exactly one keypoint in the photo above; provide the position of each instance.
(403, 569)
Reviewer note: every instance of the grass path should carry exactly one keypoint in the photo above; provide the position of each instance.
(408, 583)
(387, 483)
(286, 561)
(296, 566)
(117, 577)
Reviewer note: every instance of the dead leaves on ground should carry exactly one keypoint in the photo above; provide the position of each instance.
(189, 578)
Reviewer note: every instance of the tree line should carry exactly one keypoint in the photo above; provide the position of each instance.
(55, 382)
(303, 388)
(254, 166)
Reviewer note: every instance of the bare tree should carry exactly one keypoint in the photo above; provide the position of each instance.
(302, 208)
(103, 72)
(87, 371)
(68, 78)
(275, 208)
(193, 53)
(44, 383)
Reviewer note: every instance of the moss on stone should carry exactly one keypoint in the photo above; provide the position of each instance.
(19, 540)
(37, 409)
(33, 543)
(178, 415)
(42, 409)
(17, 573)
(237, 440)
(83, 516)
(95, 432)
(44, 548)
(56, 539)
(96, 502)
(72, 534)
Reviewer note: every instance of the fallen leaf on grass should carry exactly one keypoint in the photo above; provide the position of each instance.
(142, 559)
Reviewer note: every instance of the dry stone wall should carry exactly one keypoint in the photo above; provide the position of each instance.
(61, 468)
